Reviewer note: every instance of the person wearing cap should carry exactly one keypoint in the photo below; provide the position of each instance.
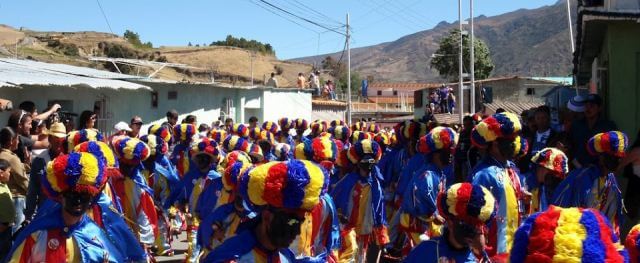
(323, 218)
(183, 134)
(282, 152)
(301, 126)
(359, 199)
(496, 172)
(466, 209)
(161, 175)
(231, 212)
(66, 234)
(133, 191)
(56, 135)
(582, 130)
(283, 136)
(135, 125)
(120, 130)
(551, 166)
(567, 235)
(417, 219)
(283, 196)
(595, 186)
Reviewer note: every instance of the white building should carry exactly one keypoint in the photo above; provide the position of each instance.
(118, 97)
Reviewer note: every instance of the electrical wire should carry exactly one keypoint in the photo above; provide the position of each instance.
(105, 16)
(301, 18)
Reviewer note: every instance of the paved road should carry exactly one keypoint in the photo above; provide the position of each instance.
(180, 247)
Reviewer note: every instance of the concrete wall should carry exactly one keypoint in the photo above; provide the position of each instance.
(328, 113)
(207, 102)
(290, 103)
(623, 92)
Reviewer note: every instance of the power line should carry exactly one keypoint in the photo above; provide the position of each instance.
(288, 19)
(323, 16)
(301, 18)
(105, 16)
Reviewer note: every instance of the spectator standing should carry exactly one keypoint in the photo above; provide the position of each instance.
(56, 136)
(253, 122)
(18, 182)
(330, 88)
(272, 82)
(119, 130)
(451, 102)
(461, 168)
(203, 130)
(172, 119)
(228, 125)
(444, 102)
(30, 107)
(135, 125)
(8, 211)
(314, 82)
(583, 130)
(301, 81)
(87, 120)
(630, 164)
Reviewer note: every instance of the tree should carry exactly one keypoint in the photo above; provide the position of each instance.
(445, 59)
(189, 45)
(134, 39)
(339, 72)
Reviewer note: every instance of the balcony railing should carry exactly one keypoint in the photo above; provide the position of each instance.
(611, 5)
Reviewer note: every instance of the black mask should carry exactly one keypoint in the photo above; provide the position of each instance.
(463, 232)
(506, 148)
(445, 158)
(610, 162)
(76, 203)
(283, 228)
(203, 161)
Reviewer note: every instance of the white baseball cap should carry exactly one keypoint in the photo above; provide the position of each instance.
(122, 126)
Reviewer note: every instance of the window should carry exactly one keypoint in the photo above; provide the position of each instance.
(395, 93)
(531, 91)
(154, 100)
(172, 95)
(379, 93)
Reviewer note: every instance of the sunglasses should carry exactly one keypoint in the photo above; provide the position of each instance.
(22, 114)
(93, 117)
(137, 123)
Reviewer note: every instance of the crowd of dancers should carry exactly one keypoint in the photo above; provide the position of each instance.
(297, 191)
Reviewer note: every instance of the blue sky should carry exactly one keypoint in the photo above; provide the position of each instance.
(171, 22)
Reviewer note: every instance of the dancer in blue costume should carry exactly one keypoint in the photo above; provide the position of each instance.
(66, 234)
(417, 219)
(284, 191)
(496, 172)
(466, 209)
(550, 168)
(595, 186)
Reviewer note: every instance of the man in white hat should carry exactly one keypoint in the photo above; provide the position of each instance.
(56, 135)
(119, 130)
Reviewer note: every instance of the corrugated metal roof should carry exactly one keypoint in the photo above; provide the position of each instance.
(21, 72)
(514, 107)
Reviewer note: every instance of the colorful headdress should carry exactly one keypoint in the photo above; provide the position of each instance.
(472, 204)
(632, 243)
(285, 123)
(205, 146)
(267, 136)
(235, 156)
(554, 160)
(335, 123)
(317, 127)
(301, 124)
(156, 144)
(77, 137)
(282, 151)
(363, 149)
(294, 184)
(500, 125)
(184, 132)
(357, 136)
(78, 172)
(232, 172)
(342, 133)
(477, 118)
(373, 128)
(270, 126)
(235, 143)
(521, 146)
(342, 159)
(256, 152)
(382, 138)
(567, 235)
(317, 150)
(358, 126)
(612, 143)
(241, 130)
(161, 131)
(413, 130)
(100, 150)
(255, 133)
(440, 138)
(218, 135)
(131, 150)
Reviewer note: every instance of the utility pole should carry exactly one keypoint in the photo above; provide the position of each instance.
(460, 89)
(472, 91)
(348, 73)
(252, 54)
(573, 48)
